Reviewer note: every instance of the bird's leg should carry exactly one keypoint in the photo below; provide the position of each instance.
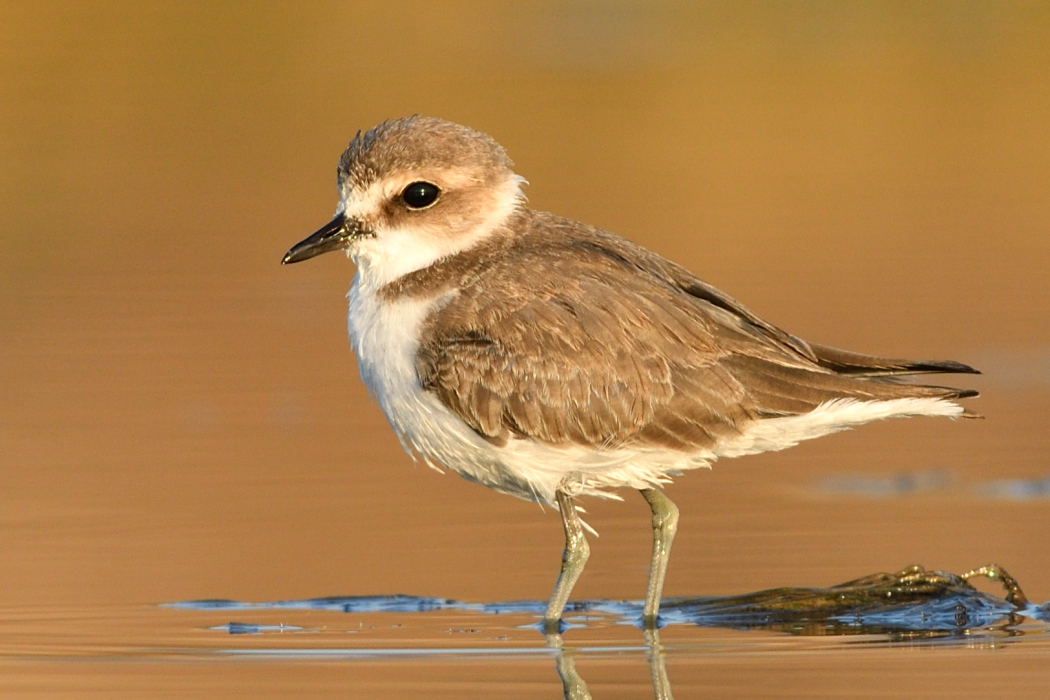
(573, 560)
(665, 525)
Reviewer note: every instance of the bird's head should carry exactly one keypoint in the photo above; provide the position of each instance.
(413, 191)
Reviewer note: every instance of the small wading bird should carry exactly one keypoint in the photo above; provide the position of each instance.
(548, 359)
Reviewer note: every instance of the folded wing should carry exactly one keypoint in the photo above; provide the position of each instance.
(609, 345)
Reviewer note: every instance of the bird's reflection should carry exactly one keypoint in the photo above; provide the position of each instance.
(575, 688)
(658, 666)
(572, 683)
(913, 605)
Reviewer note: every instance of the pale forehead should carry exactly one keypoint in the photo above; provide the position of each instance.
(416, 145)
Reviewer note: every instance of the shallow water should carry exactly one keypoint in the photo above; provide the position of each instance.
(181, 420)
(404, 646)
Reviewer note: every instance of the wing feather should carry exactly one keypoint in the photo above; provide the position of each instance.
(606, 344)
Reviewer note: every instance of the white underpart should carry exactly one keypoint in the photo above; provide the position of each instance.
(385, 338)
(773, 434)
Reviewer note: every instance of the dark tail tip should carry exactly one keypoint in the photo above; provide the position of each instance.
(943, 366)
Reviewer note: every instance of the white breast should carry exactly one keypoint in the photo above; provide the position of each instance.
(385, 338)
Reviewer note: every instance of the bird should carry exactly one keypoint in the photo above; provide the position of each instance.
(552, 360)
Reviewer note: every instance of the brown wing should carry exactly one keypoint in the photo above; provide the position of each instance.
(588, 364)
(650, 361)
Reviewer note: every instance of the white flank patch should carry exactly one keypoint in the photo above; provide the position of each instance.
(585, 471)
(774, 434)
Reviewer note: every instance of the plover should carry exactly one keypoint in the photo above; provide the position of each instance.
(549, 359)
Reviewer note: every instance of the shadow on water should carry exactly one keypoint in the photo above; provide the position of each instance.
(914, 606)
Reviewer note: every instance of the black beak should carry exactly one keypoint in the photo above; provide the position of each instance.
(335, 235)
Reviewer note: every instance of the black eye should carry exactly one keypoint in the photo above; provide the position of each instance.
(420, 195)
